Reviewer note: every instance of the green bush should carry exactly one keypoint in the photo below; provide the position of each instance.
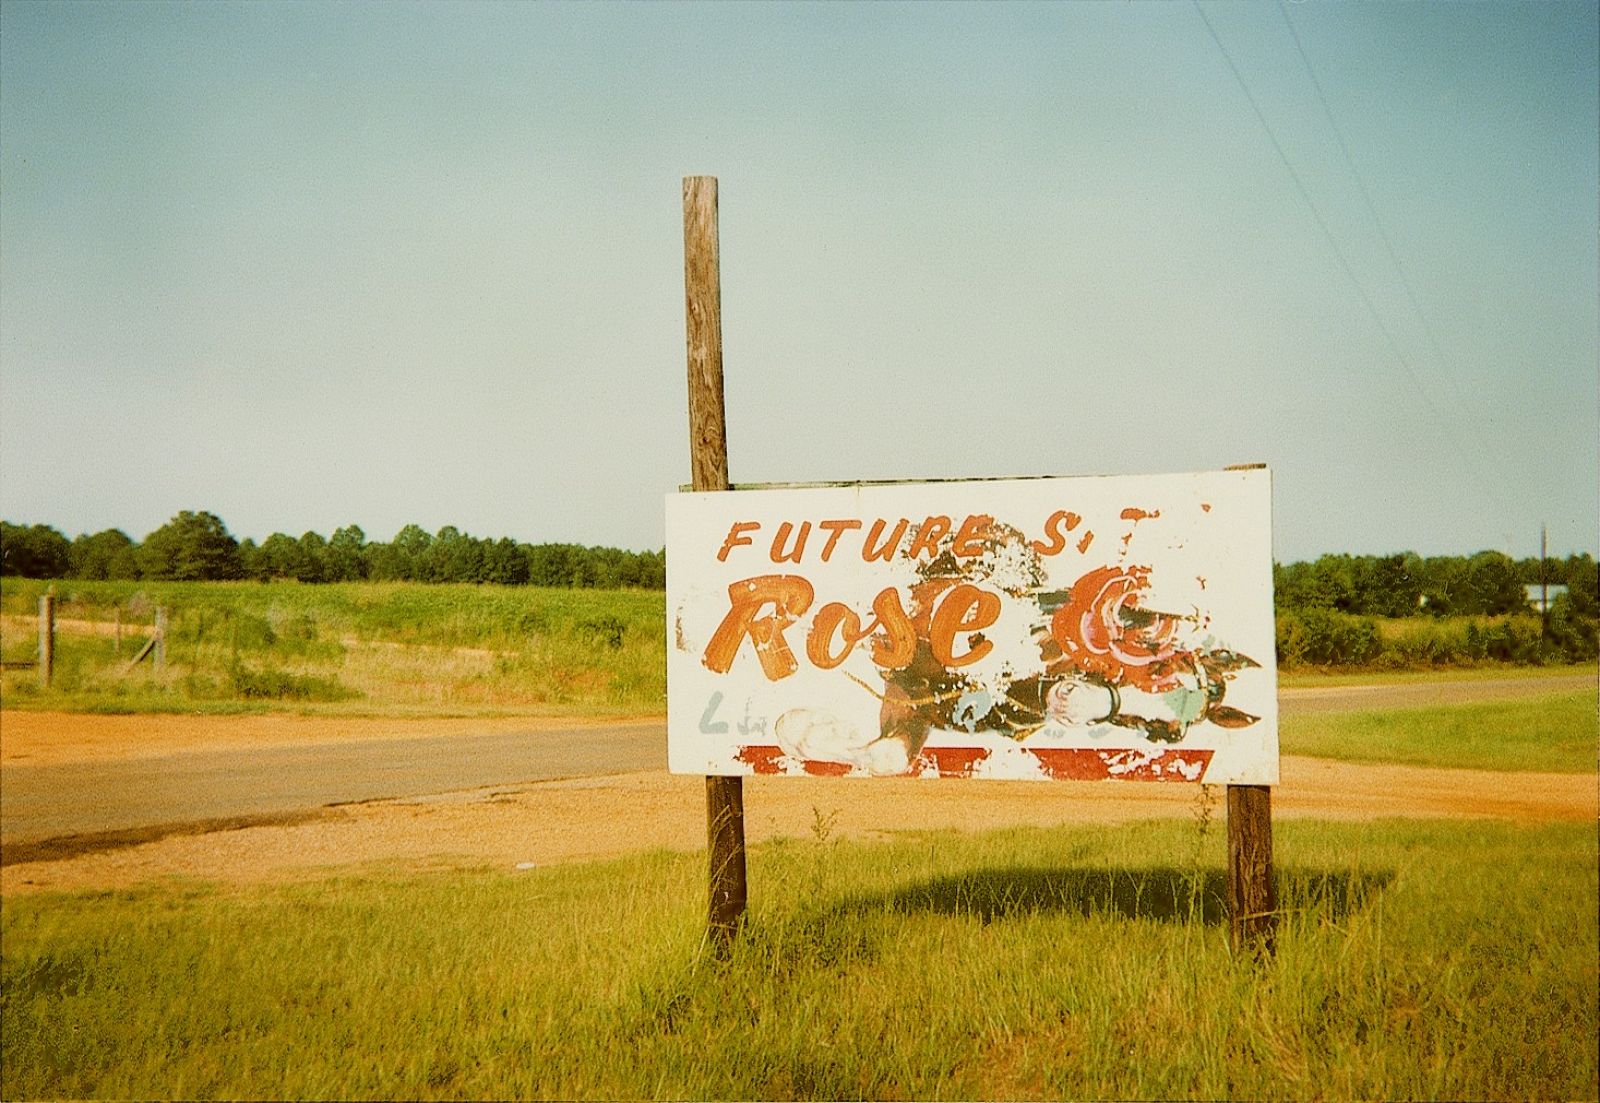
(1322, 637)
(1423, 643)
(279, 685)
(1504, 642)
(605, 629)
(1574, 629)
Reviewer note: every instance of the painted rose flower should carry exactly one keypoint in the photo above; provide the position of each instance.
(1104, 632)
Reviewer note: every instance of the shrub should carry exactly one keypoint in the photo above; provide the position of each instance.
(1505, 641)
(1423, 643)
(1574, 630)
(1322, 637)
(280, 685)
(606, 629)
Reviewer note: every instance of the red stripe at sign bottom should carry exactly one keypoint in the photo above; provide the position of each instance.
(1083, 764)
(1055, 763)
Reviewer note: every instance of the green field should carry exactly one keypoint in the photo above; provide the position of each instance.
(1415, 960)
(379, 648)
(1300, 679)
(1557, 732)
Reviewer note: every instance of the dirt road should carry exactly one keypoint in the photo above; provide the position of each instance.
(100, 801)
(66, 775)
(550, 822)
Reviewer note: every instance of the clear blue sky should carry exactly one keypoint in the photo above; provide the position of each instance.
(311, 264)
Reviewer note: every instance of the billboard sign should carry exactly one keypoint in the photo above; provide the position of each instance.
(1115, 628)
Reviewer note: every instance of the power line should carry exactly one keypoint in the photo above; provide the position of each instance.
(1333, 243)
(1366, 197)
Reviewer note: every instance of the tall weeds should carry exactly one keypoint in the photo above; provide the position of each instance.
(366, 646)
(1415, 959)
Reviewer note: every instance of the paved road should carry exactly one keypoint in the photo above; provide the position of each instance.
(1422, 694)
(47, 801)
(44, 802)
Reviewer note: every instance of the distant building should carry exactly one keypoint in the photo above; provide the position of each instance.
(1535, 594)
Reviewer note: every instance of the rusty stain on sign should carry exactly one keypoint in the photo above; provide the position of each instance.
(919, 630)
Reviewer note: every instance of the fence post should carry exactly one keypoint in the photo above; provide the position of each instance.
(708, 455)
(161, 637)
(47, 638)
(118, 651)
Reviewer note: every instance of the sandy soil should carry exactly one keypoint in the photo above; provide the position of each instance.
(545, 823)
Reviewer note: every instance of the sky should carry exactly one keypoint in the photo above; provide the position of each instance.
(314, 264)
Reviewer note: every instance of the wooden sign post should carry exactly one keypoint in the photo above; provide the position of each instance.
(1252, 903)
(966, 629)
(1252, 900)
(708, 457)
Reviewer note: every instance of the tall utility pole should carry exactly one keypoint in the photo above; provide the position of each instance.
(1544, 585)
(708, 454)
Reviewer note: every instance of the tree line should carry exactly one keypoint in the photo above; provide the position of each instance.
(196, 546)
(1407, 584)
(1327, 611)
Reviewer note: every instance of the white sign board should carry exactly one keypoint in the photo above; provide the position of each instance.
(1084, 628)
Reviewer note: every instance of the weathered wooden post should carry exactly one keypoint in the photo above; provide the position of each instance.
(1252, 903)
(161, 638)
(47, 638)
(1544, 585)
(708, 454)
(1252, 900)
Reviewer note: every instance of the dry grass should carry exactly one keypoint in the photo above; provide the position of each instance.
(1415, 960)
(371, 648)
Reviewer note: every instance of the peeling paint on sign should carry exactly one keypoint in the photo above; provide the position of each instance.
(967, 630)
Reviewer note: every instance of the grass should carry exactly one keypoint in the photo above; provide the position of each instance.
(407, 649)
(1552, 732)
(1415, 960)
(383, 649)
(369, 648)
(1302, 679)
